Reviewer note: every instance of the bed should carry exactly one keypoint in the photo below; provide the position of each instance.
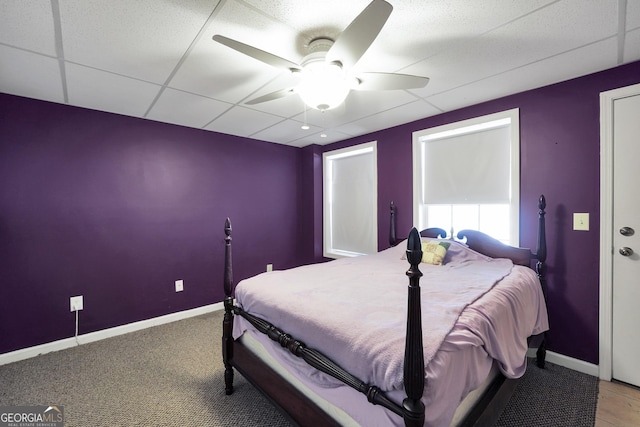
(343, 342)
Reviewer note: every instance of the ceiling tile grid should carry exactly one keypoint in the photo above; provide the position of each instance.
(156, 58)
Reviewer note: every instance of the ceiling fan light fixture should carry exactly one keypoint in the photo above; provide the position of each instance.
(325, 69)
(324, 85)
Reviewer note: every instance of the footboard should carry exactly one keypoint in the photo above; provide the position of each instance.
(412, 409)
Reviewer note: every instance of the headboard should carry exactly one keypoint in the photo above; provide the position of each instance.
(487, 245)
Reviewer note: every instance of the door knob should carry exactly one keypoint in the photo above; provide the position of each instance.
(626, 251)
(627, 231)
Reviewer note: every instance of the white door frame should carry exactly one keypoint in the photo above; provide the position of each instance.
(606, 225)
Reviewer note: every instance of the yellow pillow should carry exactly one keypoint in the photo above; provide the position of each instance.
(433, 252)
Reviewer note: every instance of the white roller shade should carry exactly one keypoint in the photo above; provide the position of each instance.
(351, 202)
(468, 168)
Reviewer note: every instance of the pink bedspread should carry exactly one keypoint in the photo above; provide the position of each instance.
(369, 342)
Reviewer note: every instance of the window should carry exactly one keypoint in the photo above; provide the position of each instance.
(467, 176)
(350, 201)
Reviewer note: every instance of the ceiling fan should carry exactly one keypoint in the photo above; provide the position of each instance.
(325, 72)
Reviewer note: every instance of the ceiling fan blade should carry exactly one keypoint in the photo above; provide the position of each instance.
(358, 36)
(260, 55)
(390, 81)
(271, 96)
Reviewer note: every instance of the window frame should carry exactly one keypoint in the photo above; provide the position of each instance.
(327, 158)
(474, 125)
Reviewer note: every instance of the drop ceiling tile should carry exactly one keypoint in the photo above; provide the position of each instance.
(29, 74)
(144, 39)
(186, 109)
(632, 46)
(100, 90)
(243, 122)
(28, 27)
(582, 61)
(633, 15)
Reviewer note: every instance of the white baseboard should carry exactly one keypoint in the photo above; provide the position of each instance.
(26, 353)
(568, 362)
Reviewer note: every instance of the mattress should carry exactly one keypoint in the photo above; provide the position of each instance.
(251, 339)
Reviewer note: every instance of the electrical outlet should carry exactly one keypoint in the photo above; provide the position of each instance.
(269, 267)
(76, 303)
(179, 285)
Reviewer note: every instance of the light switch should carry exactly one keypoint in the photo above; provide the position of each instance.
(581, 221)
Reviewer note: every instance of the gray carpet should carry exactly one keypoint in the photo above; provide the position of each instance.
(552, 397)
(168, 375)
(171, 375)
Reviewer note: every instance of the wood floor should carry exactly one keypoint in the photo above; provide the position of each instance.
(618, 405)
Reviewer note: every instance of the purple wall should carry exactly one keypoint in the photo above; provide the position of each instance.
(560, 143)
(116, 209)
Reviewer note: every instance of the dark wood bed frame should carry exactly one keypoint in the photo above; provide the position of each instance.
(302, 411)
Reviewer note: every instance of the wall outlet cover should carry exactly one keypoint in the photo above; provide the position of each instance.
(76, 303)
(179, 285)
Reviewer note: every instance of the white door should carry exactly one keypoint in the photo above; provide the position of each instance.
(626, 240)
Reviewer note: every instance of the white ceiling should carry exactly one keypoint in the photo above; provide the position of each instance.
(156, 59)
